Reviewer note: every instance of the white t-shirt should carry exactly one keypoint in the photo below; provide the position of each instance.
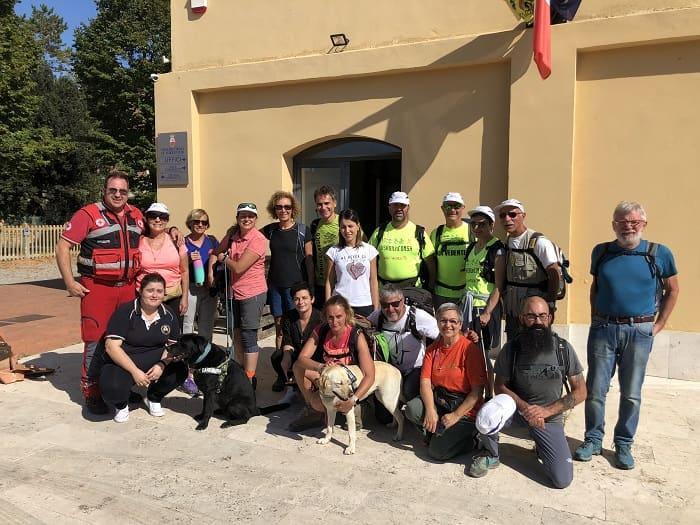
(409, 350)
(352, 271)
(544, 249)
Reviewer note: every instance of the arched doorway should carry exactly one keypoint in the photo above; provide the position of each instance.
(364, 172)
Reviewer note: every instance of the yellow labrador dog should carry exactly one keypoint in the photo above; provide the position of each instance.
(338, 382)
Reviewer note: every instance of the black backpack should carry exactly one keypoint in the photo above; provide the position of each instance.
(649, 255)
(420, 237)
(488, 265)
(562, 359)
(320, 353)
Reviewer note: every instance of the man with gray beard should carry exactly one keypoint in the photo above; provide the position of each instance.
(531, 371)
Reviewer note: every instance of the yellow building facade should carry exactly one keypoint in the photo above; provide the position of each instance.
(443, 96)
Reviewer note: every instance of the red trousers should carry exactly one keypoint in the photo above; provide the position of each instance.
(96, 308)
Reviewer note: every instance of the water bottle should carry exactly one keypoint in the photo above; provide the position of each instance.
(198, 272)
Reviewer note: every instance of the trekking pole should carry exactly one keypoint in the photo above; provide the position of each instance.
(227, 305)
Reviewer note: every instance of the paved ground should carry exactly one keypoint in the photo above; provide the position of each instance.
(58, 467)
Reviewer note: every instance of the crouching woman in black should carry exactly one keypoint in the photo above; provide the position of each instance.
(135, 345)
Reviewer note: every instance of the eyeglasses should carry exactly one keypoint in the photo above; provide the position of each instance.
(511, 214)
(280, 207)
(393, 304)
(117, 191)
(451, 206)
(535, 317)
(449, 321)
(479, 224)
(197, 222)
(634, 224)
(157, 215)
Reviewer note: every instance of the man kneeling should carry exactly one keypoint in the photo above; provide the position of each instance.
(530, 372)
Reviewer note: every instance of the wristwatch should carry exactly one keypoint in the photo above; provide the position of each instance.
(355, 400)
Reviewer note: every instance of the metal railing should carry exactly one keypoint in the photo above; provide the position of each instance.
(29, 242)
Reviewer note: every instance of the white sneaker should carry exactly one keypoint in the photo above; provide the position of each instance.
(154, 408)
(122, 415)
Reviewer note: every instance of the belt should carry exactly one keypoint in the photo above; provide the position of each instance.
(105, 282)
(628, 320)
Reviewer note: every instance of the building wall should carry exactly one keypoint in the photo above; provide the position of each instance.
(455, 88)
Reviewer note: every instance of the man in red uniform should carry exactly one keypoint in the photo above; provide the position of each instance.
(108, 233)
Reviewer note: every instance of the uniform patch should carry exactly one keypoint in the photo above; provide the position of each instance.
(99, 223)
(139, 223)
(165, 329)
(68, 226)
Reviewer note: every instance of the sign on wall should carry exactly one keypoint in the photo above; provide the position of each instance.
(172, 158)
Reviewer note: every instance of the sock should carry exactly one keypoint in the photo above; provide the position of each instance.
(250, 374)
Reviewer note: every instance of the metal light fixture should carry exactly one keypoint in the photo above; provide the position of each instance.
(339, 40)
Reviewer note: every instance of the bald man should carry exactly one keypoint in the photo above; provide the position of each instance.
(532, 371)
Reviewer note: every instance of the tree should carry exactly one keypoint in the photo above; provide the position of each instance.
(114, 57)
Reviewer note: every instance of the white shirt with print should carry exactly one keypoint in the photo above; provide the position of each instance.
(352, 272)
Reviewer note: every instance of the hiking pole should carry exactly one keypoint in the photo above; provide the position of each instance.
(470, 318)
(227, 305)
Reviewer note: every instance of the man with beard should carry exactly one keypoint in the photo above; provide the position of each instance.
(530, 373)
(633, 281)
(402, 247)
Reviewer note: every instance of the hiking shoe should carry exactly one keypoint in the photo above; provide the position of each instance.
(481, 464)
(122, 415)
(623, 457)
(254, 382)
(308, 418)
(587, 450)
(279, 384)
(96, 406)
(154, 408)
(190, 387)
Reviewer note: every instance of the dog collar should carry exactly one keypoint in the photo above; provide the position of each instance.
(351, 377)
(207, 349)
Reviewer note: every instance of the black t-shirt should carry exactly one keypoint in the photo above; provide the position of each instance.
(538, 376)
(128, 325)
(286, 254)
(292, 335)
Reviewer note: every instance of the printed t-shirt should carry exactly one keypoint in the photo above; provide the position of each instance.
(399, 252)
(457, 368)
(128, 325)
(473, 266)
(286, 254)
(625, 285)
(335, 348)
(165, 261)
(326, 235)
(450, 259)
(251, 282)
(352, 272)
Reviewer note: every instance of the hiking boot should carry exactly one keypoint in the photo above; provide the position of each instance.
(154, 408)
(482, 463)
(122, 415)
(279, 384)
(587, 450)
(308, 418)
(623, 457)
(96, 406)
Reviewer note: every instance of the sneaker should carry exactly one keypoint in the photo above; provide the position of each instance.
(279, 384)
(587, 450)
(122, 415)
(623, 457)
(154, 408)
(96, 406)
(308, 418)
(190, 387)
(482, 463)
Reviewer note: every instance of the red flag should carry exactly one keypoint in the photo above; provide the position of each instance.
(542, 38)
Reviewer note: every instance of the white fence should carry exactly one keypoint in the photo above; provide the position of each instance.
(29, 242)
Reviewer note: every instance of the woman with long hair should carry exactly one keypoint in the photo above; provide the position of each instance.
(352, 267)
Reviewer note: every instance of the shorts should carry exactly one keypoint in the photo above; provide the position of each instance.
(246, 313)
(280, 300)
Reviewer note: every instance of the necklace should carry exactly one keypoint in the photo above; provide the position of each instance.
(155, 253)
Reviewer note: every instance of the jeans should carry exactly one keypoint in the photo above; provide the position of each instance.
(626, 346)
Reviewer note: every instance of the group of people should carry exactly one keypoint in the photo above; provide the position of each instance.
(339, 299)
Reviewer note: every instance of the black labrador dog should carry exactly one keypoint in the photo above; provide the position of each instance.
(222, 381)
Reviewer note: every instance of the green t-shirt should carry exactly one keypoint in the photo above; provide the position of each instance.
(399, 252)
(450, 259)
(326, 235)
(475, 282)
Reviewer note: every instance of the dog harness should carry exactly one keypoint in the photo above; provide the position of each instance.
(220, 370)
(353, 380)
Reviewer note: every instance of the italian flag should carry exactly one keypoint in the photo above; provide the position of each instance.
(542, 39)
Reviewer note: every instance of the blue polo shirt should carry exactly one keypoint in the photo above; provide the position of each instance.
(625, 285)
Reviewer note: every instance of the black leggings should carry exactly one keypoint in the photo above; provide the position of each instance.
(116, 383)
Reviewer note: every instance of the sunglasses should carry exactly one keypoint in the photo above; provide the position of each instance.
(117, 191)
(451, 206)
(634, 224)
(479, 224)
(280, 207)
(511, 214)
(198, 222)
(393, 304)
(157, 215)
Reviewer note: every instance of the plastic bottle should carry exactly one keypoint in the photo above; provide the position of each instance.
(198, 272)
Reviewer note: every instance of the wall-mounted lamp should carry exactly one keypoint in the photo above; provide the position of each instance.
(339, 40)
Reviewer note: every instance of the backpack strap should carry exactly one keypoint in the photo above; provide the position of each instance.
(563, 361)
(313, 227)
(438, 235)
(536, 236)
(380, 233)
(420, 237)
(411, 322)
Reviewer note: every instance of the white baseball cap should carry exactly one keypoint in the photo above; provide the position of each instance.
(494, 414)
(453, 196)
(399, 197)
(515, 203)
(484, 210)
(247, 206)
(158, 207)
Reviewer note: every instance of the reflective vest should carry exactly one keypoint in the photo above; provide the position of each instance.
(110, 251)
